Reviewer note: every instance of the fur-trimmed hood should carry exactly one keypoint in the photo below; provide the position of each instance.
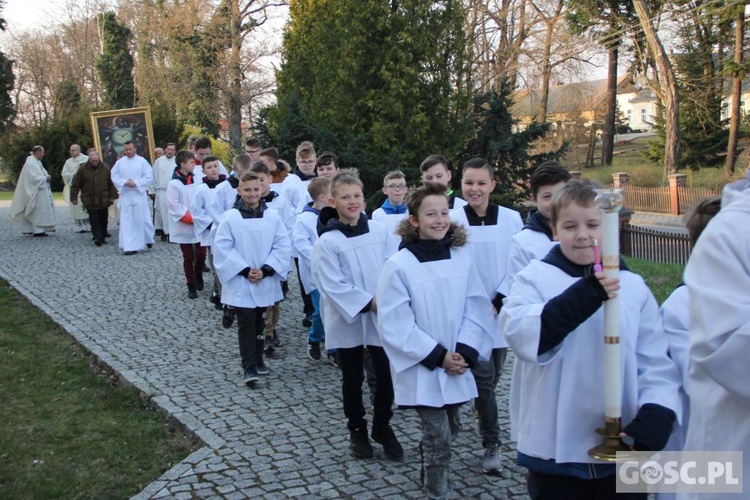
(408, 233)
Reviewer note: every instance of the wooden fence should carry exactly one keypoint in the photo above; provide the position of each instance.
(647, 199)
(675, 199)
(655, 245)
(689, 197)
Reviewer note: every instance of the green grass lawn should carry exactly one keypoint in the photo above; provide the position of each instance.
(628, 158)
(8, 195)
(662, 279)
(67, 429)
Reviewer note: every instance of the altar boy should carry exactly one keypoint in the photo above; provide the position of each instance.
(490, 228)
(553, 320)
(251, 254)
(346, 263)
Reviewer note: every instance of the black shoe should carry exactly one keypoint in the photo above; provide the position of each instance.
(313, 350)
(307, 322)
(98, 243)
(150, 246)
(199, 285)
(269, 348)
(131, 252)
(82, 231)
(40, 235)
(164, 237)
(391, 447)
(158, 232)
(250, 376)
(360, 443)
(228, 318)
(206, 269)
(215, 298)
(192, 294)
(108, 235)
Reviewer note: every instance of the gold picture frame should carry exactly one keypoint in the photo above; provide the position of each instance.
(113, 128)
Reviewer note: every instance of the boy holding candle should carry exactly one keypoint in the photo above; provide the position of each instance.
(553, 321)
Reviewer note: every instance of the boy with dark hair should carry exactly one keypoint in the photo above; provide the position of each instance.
(553, 320)
(203, 150)
(436, 168)
(251, 253)
(305, 234)
(182, 222)
(536, 238)
(490, 228)
(205, 231)
(253, 148)
(328, 165)
(274, 201)
(279, 169)
(346, 263)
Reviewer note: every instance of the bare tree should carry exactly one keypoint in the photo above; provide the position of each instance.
(667, 88)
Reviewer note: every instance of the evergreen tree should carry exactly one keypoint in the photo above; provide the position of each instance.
(507, 150)
(115, 64)
(383, 84)
(7, 81)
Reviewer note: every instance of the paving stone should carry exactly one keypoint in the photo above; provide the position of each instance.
(286, 438)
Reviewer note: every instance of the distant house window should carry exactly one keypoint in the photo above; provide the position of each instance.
(643, 115)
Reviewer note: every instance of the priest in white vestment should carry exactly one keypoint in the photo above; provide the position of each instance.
(32, 203)
(163, 169)
(132, 176)
(69, 170)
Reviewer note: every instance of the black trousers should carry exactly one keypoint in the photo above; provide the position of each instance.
(548, 486)
(351, 362)
(250, 334)
(98, 219)
(307, 305)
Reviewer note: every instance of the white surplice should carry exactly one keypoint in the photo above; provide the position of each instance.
(163, 170)
(136, 228)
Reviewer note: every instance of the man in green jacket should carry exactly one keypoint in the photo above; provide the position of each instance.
(94, 183)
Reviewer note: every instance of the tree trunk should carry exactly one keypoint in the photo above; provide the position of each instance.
(592, 147)
(734, 124)
(235, 84)
(669, 89)
(608, 134)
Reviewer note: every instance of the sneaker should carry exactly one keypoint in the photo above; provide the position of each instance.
(199, 285)
(333, 359)
(228, 317)
(268, 347)
(307, 322)
(360, 443)
(391, 447)
(192, 294)
(251, 376)
(491, 463)
(313, 351)
(261, 368)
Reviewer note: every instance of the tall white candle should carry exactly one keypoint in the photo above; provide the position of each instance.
(610, 201)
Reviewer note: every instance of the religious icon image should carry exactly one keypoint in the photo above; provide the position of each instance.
(112, 129)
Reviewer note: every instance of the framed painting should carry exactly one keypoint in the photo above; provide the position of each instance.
(112, 129)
